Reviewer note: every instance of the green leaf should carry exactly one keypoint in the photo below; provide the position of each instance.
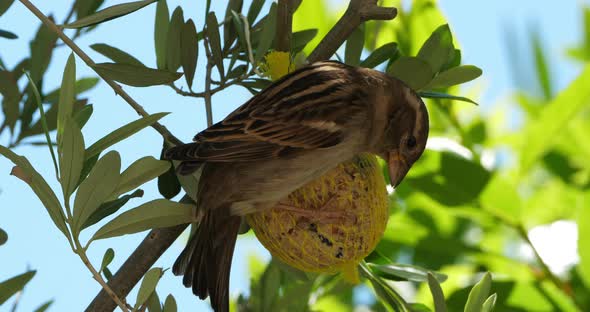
(11, 98)
(189, 46)
(389, 297)
(541, 65)
(437, 294)
(96, 188)
(136, 76)
(41, 51)
(153, 303)
(438, 48)
(229, 29)
(415, 72)
(354, 46)
(44, 307)
(4, 5)
(67, 96)
(87, 7)
(82, 85)
(584, 242)
(13, 285)
(404, 272)
(107, 258)
(154, 214)
(3, 237)
(439, 95)
(108, 208)
(267, 33)
(479, 293)
(148, 286)
(454, 76)
(301, 38)
(115, 54)
(141, 171)
(109, 13)
(500, 197)
(271, 281)
(173, 40)
(380, 55)
(254, 10)
(122, 133)
(170, 304)
(488, 305)
(83, 115)
(71, 158)
(168, 184)
(215, 41)
(540, 134)
(40, 188)
(160, 33)
(7, 34)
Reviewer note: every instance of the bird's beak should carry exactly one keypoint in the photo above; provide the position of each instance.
(398, 167)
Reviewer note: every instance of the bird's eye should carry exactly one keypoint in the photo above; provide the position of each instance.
(411, 143)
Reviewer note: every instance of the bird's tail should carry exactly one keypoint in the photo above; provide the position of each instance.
(184, 153)
(206, 260)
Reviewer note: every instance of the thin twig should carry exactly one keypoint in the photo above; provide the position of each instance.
(284, 26)
(358, 12)
(116, 87)
(208, 94)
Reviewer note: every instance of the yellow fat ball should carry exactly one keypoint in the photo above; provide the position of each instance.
(277, 64)
(330, 224)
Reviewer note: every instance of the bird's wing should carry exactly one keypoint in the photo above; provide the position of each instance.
(306, 109)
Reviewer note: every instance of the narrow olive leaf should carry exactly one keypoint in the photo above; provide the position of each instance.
(88, 165)
(85, 8)
(454, 61)
(215, 41)
(44, 307)
(387, 294)
(4, 5)
(136, 76)
(415, 72)
(110, 207)
(437, 294)
(404, 272)
(489, 304)
(107, 273)
(82, 85)
(229, 29)
(444, 96)
(7, 34)
(3, 237)
(479, 293)
(122, 133)
(238, 24)
(140, 172)
(301, 38)
(82, 116)
(96, 188)
(267, 34)
(11, 98)
(438, 48)
(154, 214)
(115, 54)
(173, 38)
(71, 158)
(42, 48)
(67, 96)
(109, 13)
(43, 121)
(107, 258)
(160, 33)
(380, 55)
(13, 285)
(40, 188)
(189, 47)
(148, 285)
(454, 76)
(237, 71)
(153, 303)
(254, 10)
(170, 304)
(354, 46)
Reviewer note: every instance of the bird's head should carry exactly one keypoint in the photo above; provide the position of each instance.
(406, 130)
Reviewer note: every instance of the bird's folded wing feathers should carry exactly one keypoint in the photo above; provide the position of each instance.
(306, 109)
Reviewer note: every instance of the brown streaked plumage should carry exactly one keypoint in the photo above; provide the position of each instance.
(289, 134)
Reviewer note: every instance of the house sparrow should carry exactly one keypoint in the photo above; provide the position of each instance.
(289, 134)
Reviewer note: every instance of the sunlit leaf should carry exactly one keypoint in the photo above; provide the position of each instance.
(541, 65)
(173, 40)
(439, 95)
(500, 197)
(115, 54)
(13, 285)
(148, 285)
(380, 55)
(96, 188)
(189, 46)
(584, 243)
(122, 133)
(438, 48)
(160, 33)
(109, 13)
(137, 76)
(354, 46)
(454, 76)
(40, 187)
(301, 38)
(267, 33)
(415, 72)
(479, 293)
(408, 272)
(154, 214)
(437, 294)
(254, 10)
(488, 305)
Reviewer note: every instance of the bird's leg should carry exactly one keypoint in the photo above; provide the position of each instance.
(321, 215)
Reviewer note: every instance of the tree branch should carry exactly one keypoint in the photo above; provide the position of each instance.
(358, 12)
(116, 87)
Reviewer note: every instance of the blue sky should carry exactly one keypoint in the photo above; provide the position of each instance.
(34, 243)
